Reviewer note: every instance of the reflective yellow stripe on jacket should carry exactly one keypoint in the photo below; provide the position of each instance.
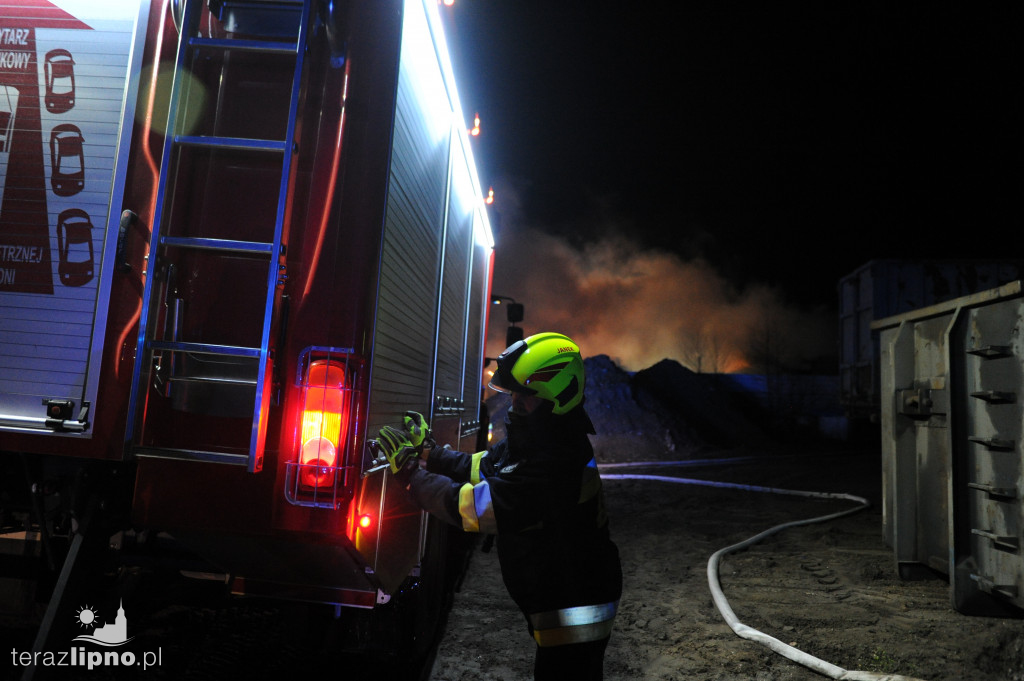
(475, 505)
(573, 625)
(474, 470)
(476, 508)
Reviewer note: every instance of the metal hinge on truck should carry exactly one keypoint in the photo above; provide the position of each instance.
(60, 415)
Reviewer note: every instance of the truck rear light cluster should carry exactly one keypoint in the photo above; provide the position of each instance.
(324, 425)
(321, 473)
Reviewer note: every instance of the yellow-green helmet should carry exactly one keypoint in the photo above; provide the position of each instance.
(547, 365)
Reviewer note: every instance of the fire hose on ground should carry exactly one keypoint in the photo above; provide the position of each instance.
(794, 654)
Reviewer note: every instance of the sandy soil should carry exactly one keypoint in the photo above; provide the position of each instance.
(828, 589)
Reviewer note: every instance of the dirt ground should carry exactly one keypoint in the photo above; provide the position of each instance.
(830, 589)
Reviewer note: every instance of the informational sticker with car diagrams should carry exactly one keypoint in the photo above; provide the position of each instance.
(68, 76)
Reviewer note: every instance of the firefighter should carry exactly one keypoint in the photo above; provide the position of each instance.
(538, 491)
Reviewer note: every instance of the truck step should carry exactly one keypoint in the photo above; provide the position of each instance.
(226, 245)
(205, 348)
(233, 143)
(247, 45)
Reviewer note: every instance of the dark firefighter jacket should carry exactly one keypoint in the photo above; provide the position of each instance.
(539, 492)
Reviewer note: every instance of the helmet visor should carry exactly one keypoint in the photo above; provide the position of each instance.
(502, 380)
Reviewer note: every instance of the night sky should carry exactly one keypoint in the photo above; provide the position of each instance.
(782, 147)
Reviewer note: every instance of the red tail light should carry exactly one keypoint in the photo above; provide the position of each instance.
(358, 521)
(319, 473)
(324, 423)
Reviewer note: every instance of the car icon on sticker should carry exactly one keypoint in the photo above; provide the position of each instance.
(59, 70)
(74, 246)
(67, 160)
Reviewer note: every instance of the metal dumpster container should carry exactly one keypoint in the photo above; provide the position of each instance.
(952, 458)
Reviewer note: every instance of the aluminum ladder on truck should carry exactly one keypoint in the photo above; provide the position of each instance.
(162, 354)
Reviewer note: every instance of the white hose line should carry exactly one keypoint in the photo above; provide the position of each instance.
(744, 631)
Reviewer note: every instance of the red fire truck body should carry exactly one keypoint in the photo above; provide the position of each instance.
(287, 248)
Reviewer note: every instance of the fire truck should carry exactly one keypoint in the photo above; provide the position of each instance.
(236, 239)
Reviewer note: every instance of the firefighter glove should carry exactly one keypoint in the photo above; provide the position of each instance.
(416, 427)
(396, 447)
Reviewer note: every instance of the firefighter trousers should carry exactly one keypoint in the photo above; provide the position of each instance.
(576, 661)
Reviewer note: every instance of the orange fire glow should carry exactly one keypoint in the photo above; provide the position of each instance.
(475, 130)
(736, 365)
(639, 305)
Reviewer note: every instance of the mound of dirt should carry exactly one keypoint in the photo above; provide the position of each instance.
(665, 412)
(628, 430)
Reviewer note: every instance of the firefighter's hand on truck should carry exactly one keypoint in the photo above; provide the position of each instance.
(416, 427)
(396, 447)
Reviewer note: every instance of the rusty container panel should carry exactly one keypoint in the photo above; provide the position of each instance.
(988, 473)
(916, 442)
(952, 463)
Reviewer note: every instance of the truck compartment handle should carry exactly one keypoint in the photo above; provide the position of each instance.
(128, 219)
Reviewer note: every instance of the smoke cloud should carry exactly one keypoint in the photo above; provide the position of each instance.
(639, 306)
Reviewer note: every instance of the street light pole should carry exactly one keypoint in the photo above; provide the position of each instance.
(514, 313)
